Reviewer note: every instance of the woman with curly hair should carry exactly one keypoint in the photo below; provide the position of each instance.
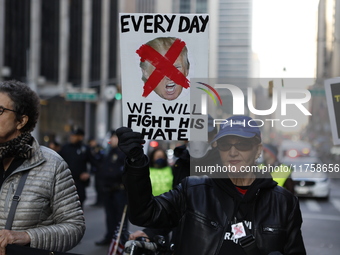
(48, 215)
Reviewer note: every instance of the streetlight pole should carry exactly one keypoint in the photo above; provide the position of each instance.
(102, 108)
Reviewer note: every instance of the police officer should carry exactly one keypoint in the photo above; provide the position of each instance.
(280, 172)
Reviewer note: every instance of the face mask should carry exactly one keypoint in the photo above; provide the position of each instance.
(198, 149)
(159, 163)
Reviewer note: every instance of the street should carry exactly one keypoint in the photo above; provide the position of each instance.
(321, 223)
(95, 227)
(320, 229)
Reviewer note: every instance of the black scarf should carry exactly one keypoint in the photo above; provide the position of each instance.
(18, 147)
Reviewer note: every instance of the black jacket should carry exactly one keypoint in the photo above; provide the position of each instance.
(201, 209)
(77, 156)
(111, 169)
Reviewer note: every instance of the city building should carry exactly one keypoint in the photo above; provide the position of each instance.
(327, 66)
(67, 52)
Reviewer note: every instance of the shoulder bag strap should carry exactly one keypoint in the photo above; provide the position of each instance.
(15, 201)
(248, 242)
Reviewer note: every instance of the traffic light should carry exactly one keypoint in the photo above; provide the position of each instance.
(270, 89)
(118, 96)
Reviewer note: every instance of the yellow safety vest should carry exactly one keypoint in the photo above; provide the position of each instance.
(161, 180)
(281, 173)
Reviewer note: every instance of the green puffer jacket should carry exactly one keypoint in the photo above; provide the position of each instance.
(49, 209)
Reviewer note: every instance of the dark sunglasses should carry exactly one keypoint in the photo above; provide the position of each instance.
(241, 146)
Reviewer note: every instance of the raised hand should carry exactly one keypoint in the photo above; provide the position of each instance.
(131, 143)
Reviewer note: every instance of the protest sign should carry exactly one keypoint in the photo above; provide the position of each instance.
(332, 90)
(160, 54)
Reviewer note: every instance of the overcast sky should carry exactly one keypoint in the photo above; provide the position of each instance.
(284, 36)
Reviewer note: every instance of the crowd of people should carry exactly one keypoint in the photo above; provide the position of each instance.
(106, 166)
(241, 213)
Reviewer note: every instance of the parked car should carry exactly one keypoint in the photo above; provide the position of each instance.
(310, 176)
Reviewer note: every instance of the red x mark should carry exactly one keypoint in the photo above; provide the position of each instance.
(163, 64)
(238, 230)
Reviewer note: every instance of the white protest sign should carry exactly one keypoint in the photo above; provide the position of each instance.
(160, 54)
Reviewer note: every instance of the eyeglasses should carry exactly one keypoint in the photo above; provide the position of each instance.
(2, 109)
(241, 146)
